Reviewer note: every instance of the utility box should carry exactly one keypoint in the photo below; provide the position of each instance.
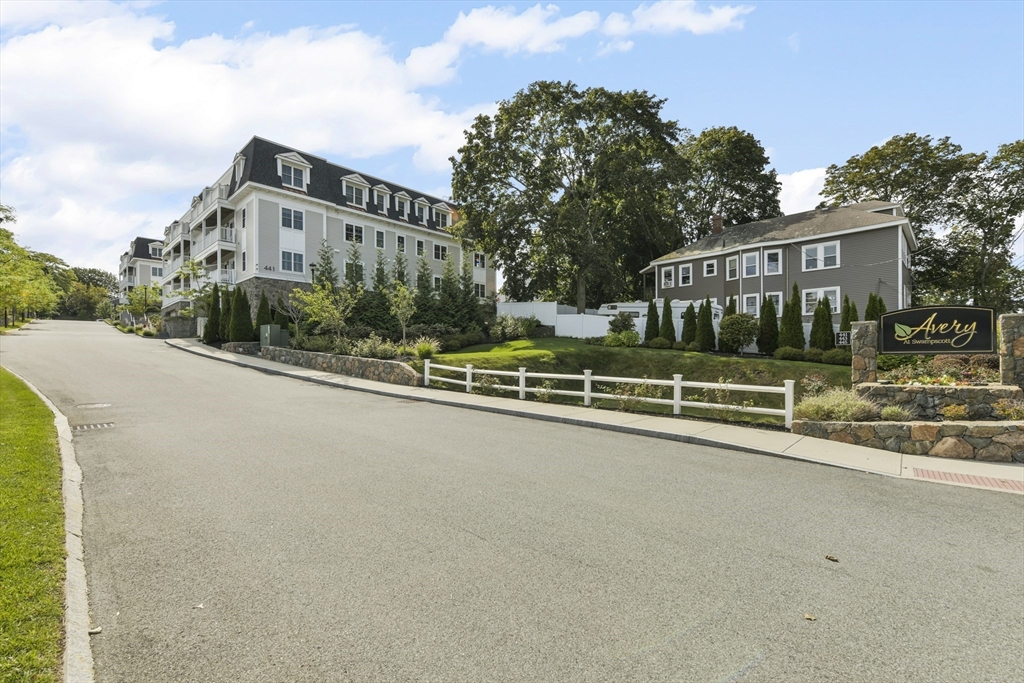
(273, 335)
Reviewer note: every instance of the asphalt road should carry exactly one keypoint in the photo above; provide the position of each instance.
(247, 527)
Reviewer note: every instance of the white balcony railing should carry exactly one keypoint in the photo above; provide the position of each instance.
(223, 235)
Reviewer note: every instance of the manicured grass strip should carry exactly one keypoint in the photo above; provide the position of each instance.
(12, 326)
(31, 537)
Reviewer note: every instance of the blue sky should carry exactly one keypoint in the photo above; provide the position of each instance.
(113, 116)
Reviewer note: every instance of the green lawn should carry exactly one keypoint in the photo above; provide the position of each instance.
(12, 326)
(572, 356)
(31, 537)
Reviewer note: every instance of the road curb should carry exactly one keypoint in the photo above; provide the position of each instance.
(692, 439)
(78, 664)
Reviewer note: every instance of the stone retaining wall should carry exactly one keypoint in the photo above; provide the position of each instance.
(991, 441)
(246, 348)
(390, 371)
(925, 402)
(180, 327)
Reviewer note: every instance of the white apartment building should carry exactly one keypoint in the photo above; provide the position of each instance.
(142, 264)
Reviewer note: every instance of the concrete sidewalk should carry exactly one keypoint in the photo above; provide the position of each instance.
(1007, 477)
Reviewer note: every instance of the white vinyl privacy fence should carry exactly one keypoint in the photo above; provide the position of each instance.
(518, 382)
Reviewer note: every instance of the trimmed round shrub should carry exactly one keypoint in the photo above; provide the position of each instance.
(693, 346)
(627, 338)
(148, 333)
(836, 405)
(949, 363)
(989, 361)
(896, 414)
(837, 357)
(680, 345)
(789, 353)
(621, 322)
(660, 343)
(813, 355)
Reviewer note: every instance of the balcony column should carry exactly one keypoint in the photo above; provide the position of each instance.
(217, 279)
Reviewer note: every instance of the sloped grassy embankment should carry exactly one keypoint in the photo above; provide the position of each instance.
(572, 356)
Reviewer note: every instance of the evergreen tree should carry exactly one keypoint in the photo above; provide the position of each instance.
(822, 335)
(354, 268)
(844, 319)
(730, 307)
(211, 333)
(241, 321)
(854, 317)
(690, 324)
(653, 326)
(768, 328)
(326, 273)
(791, 333)
(400, 271)
(667, 330)
(226, 299)
(449, 298)
(880, 302)
(262, 314)
(705, 327)
(380, 273)
(425, 300)
(471, 313)
(871, 310)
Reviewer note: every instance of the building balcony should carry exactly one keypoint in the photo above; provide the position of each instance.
(224, 277)
(222, 238)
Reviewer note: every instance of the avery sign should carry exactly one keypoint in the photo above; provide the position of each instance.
(938, 329)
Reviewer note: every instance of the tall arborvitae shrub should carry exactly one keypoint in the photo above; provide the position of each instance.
(262, 315)
(880, 302)
(211, 333)
(472, 314)
(730, 307)
(651, 330)
(844, 319)
(226, 298)
(425, 299)
(241, 321)
(768, 328)
(854, 316)
(690, 324)
(449, 297)
(822, 336)
(791, 333)
(705, 327)
(667, 329)
(871, 310)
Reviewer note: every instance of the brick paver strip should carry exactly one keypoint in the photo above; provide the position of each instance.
(988, 482)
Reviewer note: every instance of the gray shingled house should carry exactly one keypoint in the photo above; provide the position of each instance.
(848, 251)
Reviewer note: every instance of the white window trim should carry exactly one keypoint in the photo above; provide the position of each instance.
(736, 260)
(714, 268)
(355, 185)
(381, 191)
(820, 258)
(757, 304)
(362, 233)
(819, 293)
(400, 243)
(479, 256)
(295, 161)
(757, 268)
(441, 249)
(421, 248)
(382, 240)
(280, 218)
(688, 268)
(778, 308)
(668, 278)
(772, 251)
(426, 210)
(292, 271)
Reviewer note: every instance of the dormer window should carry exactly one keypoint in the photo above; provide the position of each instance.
(357, 190)
(354, 195)
(382, 198)
(293, 170)
(441, 215)
(155, 251)
(422, 211)
(402, 207)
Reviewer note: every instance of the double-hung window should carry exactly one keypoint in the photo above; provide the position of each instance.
(750, 265)
(437, 284)
(773, 262)
(354, 195)
(480, 290)
(353, 233)
(752, 304)
(156, 252)
(380, 239)
(380, 202)
(776, 299)
(732, 268)
(667, 278)
(357, 270)
(400, 207)
(686, 275)
(291, 218)
(710, 268)
(400, 243)
(440, 252)
(419, 247)
(819, 256)
(243, 261)
(291, 261)
(442, 219)
(419, 213)
(292, 176)
(479, 260)
(243, 218)
(156, 272)
(812, 296)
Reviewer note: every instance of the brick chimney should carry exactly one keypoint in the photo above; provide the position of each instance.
(716, 224)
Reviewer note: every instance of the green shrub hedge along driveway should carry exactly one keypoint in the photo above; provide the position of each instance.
(572, 356)
(31, 537)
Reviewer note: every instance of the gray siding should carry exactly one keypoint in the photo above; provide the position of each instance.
(269, 224)
(314, 229)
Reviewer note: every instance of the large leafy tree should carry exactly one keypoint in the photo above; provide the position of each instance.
(728, 175)
(25, 284)
(96, 278)
(542, 184)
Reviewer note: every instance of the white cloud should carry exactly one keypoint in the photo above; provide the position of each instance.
(614, 46)
(801, 190)
(670, 16)
(794, 42)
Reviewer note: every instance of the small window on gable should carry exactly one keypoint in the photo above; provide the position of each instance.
(400, 243)
(710, 268)
(685, 275)
(667, 279)
(380, 239)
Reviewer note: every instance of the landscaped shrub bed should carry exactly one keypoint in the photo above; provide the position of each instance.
(944, 369)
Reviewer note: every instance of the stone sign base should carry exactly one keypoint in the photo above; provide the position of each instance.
(925, 402)
(991, 441)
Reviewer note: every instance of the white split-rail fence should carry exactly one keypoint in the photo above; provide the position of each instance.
(588, 394)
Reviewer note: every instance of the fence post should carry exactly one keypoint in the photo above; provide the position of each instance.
(522, 383)
(426, 372)
(586, 388)
(469, 378)
(790, 384)
(677, 394)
